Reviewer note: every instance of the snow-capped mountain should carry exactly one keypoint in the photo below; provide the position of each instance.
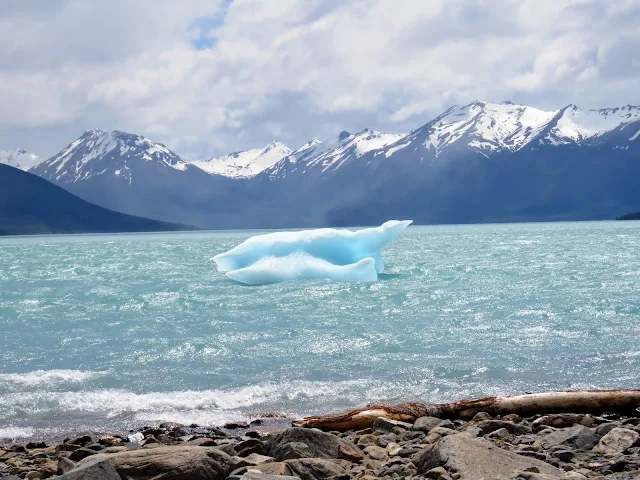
(20, 158)
(101, 153)
(472, 163)
(331, 155)
(574, 125)
(245, 164)
(504, 127)
(128, 173)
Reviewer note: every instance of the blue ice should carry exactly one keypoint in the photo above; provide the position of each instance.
(340, 255)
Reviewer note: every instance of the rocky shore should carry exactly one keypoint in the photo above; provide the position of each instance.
(558, 446)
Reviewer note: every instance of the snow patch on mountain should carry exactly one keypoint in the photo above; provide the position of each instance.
(245, 164)
(19, 158)
(486, 126)
(334, 153)
(576, 125)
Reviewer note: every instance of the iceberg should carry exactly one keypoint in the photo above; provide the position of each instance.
(340, 255)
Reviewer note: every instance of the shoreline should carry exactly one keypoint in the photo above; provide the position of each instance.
(538, 447)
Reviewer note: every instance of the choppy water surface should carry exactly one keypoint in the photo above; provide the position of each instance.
(114, 331)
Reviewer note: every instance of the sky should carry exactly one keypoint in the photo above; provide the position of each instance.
(212, 77)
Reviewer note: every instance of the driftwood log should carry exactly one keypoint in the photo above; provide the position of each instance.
(590, 401)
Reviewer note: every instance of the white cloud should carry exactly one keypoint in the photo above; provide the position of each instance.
(208, 77)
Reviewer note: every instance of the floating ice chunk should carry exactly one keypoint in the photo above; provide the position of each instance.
(340, 255)
(302, 266)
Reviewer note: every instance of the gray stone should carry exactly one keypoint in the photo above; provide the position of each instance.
(318, 444)
(501, 434)
(564, 436)
(250, 446)
(315, 468)
(251, 461)
(368, 439)
(102, 470)
(561, 420)
(586, 440)
(476, 458)
(438, 473)
(488, 426)
(563, 455)
(168, 463)
(290, 450)
(388, 425)
(254, 475)
(617, 441)
(81, 453)
(425, 424)
(375, 452)
(605, 428)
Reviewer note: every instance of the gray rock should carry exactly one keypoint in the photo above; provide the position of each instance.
(81, 453)
(617, 441)
(250, 446)
(290, 450)
(387, 425)
(605, 428)
(586, 440)
(315, 468)
(377, 453)
(564, 436)
(480, 416)
(251, 461)
(563, 455)
(438, 473)
(368, 439)
(488, 426)
(561, 420)
(81, 441)
(476, 458)
(319, 444)
(501, 434)
(168, 463)
(253, 475)
(103, 470)
(425, 424)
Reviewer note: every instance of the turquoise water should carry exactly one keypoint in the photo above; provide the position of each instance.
(115, 331)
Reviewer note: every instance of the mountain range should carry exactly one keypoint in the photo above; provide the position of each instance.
(481, 162)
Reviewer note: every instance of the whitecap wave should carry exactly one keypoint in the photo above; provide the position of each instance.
(16, 432)
(48, 377)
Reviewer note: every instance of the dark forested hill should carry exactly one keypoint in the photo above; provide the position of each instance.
(29, 204)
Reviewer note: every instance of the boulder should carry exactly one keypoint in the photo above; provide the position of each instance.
(318, 444)
(347, 453)
(488, 426)
(564, 436)
(272, 468)
(617, 441)
(387, 425)
(315, 468)
(81, 441)
(561, 420)
(253, 475)
(251, 461)
(97, 470)
(476, 458)
(168, 463)
(81, 453)
(425, 424)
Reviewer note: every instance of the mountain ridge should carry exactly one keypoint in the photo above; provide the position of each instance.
(472, 163)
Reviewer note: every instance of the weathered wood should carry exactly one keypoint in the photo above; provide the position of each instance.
(590, 401)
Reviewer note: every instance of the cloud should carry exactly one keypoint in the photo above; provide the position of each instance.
(208, 77)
